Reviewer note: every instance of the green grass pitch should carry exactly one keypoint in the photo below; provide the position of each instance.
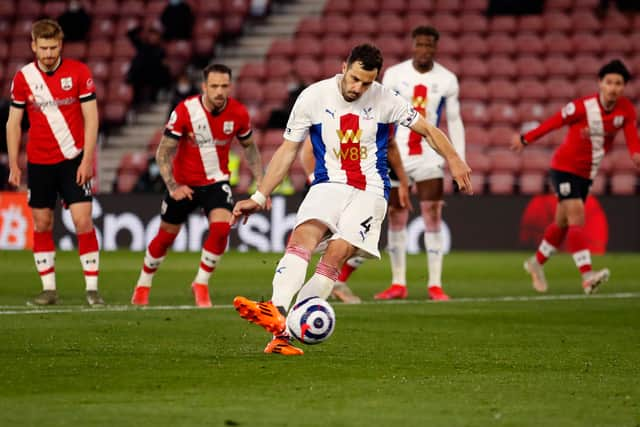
(479, 360)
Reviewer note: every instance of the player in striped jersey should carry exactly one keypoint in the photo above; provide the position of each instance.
(200, 131)
(593, 122)
(347, 117)
(59, 98)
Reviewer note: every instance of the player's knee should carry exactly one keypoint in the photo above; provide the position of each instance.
(83, 224)
(338, 252)
(398, 218)
(431, 214)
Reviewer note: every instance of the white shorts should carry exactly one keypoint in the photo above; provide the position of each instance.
(419, 168)
(352, 215)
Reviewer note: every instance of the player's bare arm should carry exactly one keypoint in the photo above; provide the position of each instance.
(90, 117)
(252, 154)
(460, 171)
(13, 144)
(164, 154)
(278, 168)
(393, 154)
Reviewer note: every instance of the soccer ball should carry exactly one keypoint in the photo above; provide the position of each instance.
(311, 321)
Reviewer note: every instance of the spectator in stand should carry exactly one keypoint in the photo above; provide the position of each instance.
(148, 74)
(177, 21)
(150, 181)
(183, 89)
(279, 116)
(75, 22)
(593, 122)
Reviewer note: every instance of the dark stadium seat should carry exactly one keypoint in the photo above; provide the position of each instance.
(559, 66)
(448, 6)
(474, 113)
(623, 183)
(278, 68)
(119, 69)
(621, 161)
(390, 24)
(616, 22)
(235, 7)
(557, 22)
(206, 27)
(209, 7)
(529, 44)
(126, 182)
(474, 23)
(334, 46)
(501, 44)
(471, 89)
(102, 28)
(532, 183)
(119, 92)
(114, 113)
(586, 43)
(475, 6)
(503, 113)
(501, 66)
(530, 111)
(105, 8)
(252, 71)
(54, 9)
(449, 62)
(390, 45)
(276, 91)
(531, 67)
(155, 7)
(19, 50)
(473, 67)
(502, 89)
(451, 46)
(29, 9)
(232, 25)
(122, 48)
(75, 50)
(133, 8)
(558, 5)
(7, 9)
(22, 29)
(530, 89)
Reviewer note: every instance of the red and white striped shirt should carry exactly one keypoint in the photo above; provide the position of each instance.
(591, 133)
(52, 101)
(204, 139)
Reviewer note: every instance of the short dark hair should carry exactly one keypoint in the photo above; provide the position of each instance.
(368, 54)
(46, 29)
(216, 68)
(615, 67)
(425, 30)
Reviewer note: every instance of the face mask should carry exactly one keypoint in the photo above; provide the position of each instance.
(175, 2)
(183, 87)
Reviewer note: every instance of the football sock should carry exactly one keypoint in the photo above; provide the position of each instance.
(289, 276)
(433, 244)
(398, 256)
(89, 258)
(577, 245)
(349, 267)
(212, 250)
(154, 256)
(44, 256)
(551, 241)
(320, 284)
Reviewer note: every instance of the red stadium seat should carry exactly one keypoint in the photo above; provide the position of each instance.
(532, 182)
(476, 136)
(155, 7)
(557, 5)
(6, 28)
(105, 8)
(530, 89)
(338, 7)
(235, 7)
(282, 48)
(412, 20)
(271, 138)
(559, 44)
(500, 137)
(29, 9)
(556, 22)
(474, 113)
(623, 183)
(529, 111)
(471, 89)
(478, 161)
(558, 66)
(390, 25)
(122, 48)
(276, 91)
(586, 43)
(22, 30)
(391, 45)
(114, 113)
(278, 68)
(502, 67)
(536, 159)
(132, 8)
(448, 62)
(447, 23)
(502, 183)
(312, 26)
(586, 85)
(126, 182)
(337, 25)
(7, 10)
(621, 161)
(529, 44)
(102, 28)
(475, 23)
(475, 6)
(531, 24)
(606, 165)
(252, 71)
(599, 186)
(587, 66)
(503, 113)
(448, 6)
(450, 46)
(585, 21)
(470, 44)
(308, 69)
(561, 89)
(210, 7)
(616, 42)
(364, 24)
(119, 92)
(75, 50)
(335, 46)
(616, 22)
(502, 89)
(250, 91)
(19, 50)
(206, 27)
(531, 67)
(503, 24)
(309, 46)
(368, 7)
(473, 67)
(398, 7)
(501, 44)
(53, 9)
(330, 66)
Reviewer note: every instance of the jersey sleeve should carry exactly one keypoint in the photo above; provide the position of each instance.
(244, 128)
(18, 91)
(177, 125)
(399, 110)
(87, 88)
(300, 118)
(631, 131)
(570, 113)
(454, 119)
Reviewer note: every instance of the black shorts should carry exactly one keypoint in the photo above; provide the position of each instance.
(208, 197)
(569, 186)
(46, 182)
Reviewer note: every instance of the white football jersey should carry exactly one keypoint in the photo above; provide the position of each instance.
(349, 139)
(430, 93)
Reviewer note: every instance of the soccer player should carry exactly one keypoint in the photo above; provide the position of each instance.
(593, 122)
(431, 88)
(347, 117)
(199, 132)
(59, 98)
(340, 290)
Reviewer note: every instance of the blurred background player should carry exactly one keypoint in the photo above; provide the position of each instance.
(430, 87)
(199, 131)
(59, 98)
(340, 290)
(347, 117)
(593, 123)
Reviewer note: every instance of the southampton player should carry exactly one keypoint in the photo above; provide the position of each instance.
(347, 118)
(199, 132)
(593, 122)
(431, 88)
(59, 98)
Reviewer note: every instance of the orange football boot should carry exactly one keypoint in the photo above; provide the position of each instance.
(282, 345)
(140, 295)
(394, 291)
(201, 294)
(264, 314)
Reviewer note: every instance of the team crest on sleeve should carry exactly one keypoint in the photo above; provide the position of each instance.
(568, 109)
(66, 83)
(227, 127)
(618, 121)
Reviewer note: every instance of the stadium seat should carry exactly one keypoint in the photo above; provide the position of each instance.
(447, 23)
(126, 182)
(276, 91)
(502, 89)
(470, 44)
(278, 68)
(558, 43)
(249, 91)
(557, 5)
(599, 186)
(390, 25)
(330, 66)
(586, 85)
(114, 113)
(475, 6)
(119, 92)
(307, 69)
(412, 20)
(22, 30)
(616, 42)
(478, 161)
(398, 7)
(416, 8)
(271, 139)
(448, 62)
(587, 65)
(529, 44)
(561, 89)
(533, 90)
(474, 23)
(29, 9)
(532, 183)
(359, 7)
(310, 46)
(335, 46)
(500, 137)
(502, 113)
(501, 183)
(536, 159)
(471, 89)
(209, 7)
(557, 22)
(586, 43)
(4, 53)
(559, 66)
(531, 67)
(282, 48)
(501, 66)
(206, 27)
(390, 45)
(337, 25)
(531, 24)
(501, 44)
(530, 111)
(504, 160)
(343, 7)
(507, 24)
(19, 50)
(155, 8)
(585, 21)
(621, 161)
(311, 26)
(54, 9)
(474, 113)
(105, 8)
(623, 183)
(99, 69)
(364, 24)
(235, 7)
(448, 6)
(477, 139)
(615, 22)
(450, 46)
(203, 47)
(473, 67)
(6, 28)
(7, 10)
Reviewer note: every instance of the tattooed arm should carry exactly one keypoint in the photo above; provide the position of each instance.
(253, 157)
(164, 155)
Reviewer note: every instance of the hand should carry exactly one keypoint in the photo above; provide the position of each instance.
(404, 197)
(461, 173)
(635, 157)
(516, 144)
(182, 192)
(244, 208)
(84, 173)
(15, 174)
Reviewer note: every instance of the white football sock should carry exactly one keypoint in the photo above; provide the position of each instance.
(208, 263)
(45, 264)
(91, 265)
(149, 269)
(289, 278)
(433, 245)
(398, 256)
(320, 284)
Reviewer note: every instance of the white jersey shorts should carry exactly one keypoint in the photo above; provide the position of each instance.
(418, 170)
(351, 214)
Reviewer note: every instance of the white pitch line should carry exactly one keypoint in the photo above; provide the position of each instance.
(16, 309)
